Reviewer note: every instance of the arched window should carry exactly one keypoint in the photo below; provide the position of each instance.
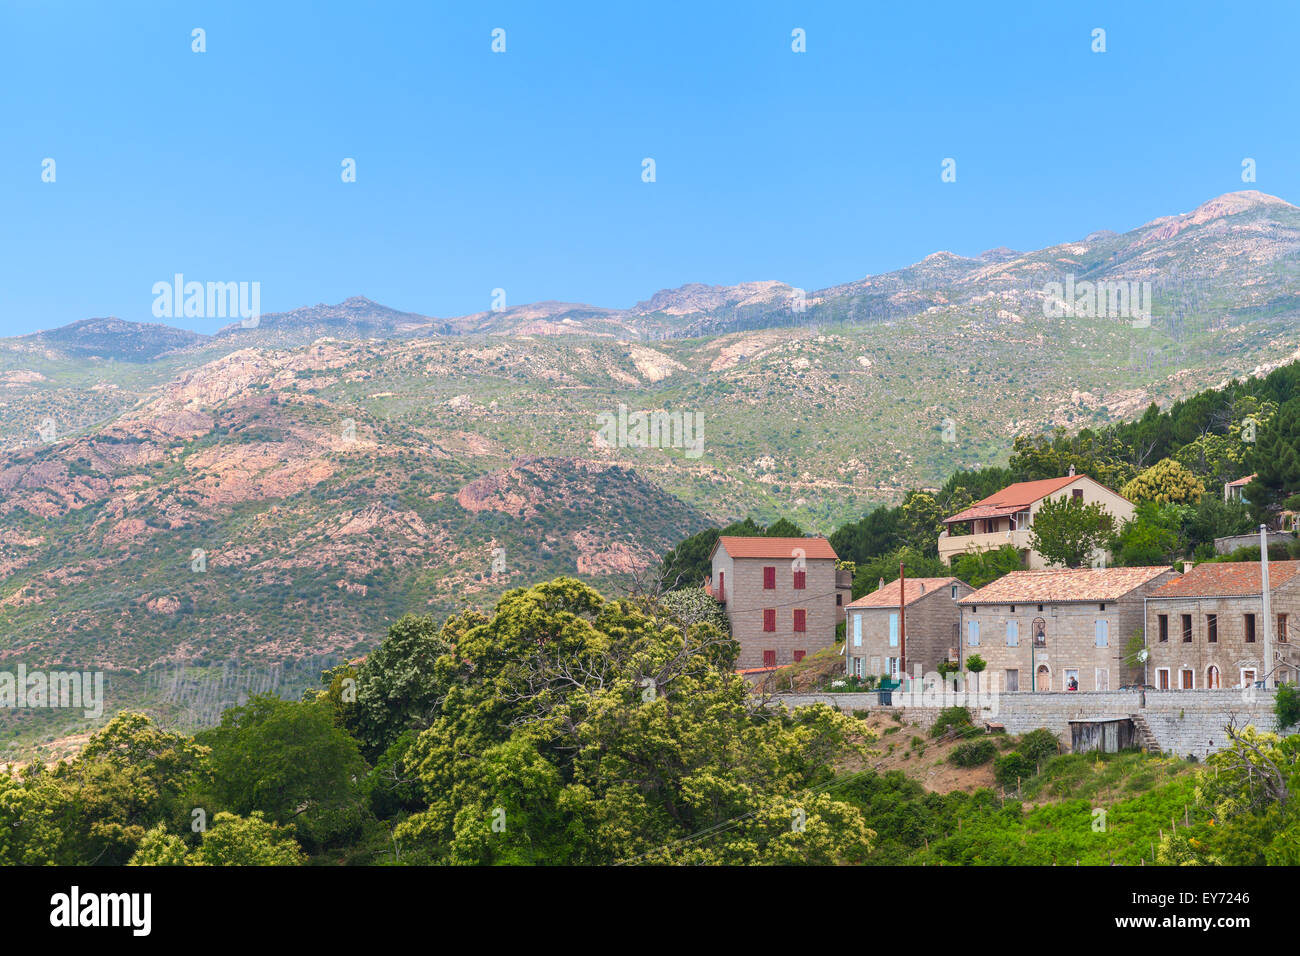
(1212, 677)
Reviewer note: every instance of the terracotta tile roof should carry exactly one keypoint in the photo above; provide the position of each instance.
(1227, 579)
(888, 595)
(1055, 585)
(776, 548)
(1241, 482)
(1014, 498)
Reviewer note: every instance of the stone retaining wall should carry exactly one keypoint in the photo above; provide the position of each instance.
(1184, 722)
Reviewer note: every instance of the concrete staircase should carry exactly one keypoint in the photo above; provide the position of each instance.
(1145, 738)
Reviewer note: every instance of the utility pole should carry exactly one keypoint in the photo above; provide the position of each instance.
(1268, 603)
(902, 620)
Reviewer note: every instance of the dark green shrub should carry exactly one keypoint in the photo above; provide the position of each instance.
(1040, 744)
(1287, 706)
(1012, 767)
(958, 717)
(973, 753)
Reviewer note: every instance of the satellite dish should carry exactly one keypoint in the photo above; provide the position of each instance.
(1144, 655)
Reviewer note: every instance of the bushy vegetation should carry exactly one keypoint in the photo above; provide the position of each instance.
(973, 753)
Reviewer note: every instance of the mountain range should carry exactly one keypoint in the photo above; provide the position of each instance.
(205, 516)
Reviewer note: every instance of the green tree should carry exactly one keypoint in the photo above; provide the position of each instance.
(1068, 532)
(1154, 535)
(978, 568)
(1276, 461)
(289, 760)
(976, 665)
(1165, 482)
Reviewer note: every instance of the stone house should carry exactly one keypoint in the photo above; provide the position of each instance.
(876, 639)
(1206, 628)
(783, 596)
(1005, 517)
(1064, 629)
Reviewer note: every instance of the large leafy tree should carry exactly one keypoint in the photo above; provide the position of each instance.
(1068, 532)
(1154, 535)
(580, 730)
(291, 761)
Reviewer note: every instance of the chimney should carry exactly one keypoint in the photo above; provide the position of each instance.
(1071, 471)
(881, 585)
(922, 587)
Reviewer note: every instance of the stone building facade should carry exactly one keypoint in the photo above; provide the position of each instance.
(1206, 628)
(1058, 630)
(874, 640)
(783, 596)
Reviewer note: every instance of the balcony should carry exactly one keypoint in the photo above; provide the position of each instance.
(952, 545)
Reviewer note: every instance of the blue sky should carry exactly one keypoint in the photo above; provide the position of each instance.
(522, 170)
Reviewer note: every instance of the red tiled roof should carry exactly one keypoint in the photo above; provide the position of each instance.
(888, 595)
(1064, 584)
(776, 548)
(1227, 579)
(1013, 498)
(1241, 482)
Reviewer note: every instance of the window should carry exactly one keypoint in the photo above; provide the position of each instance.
(1212, 677)
(1013, 633)
(722, 579)
(857, 667)
(1163, 619)
(1076, 493)
(1102, 678)
(1250, 629)
(800, 580)
(1040, 607)
(973, 634)
(1187, 629)
(875, 665)
(1101, 607)
(1101, 634)
(1247, 677)
(1212, 628)
(1013, 680)
(798, 656)
(769, 619)
(1188, 681)
(769, 658)
(1013, 609)
(954, 592)
(1071, 678)
(857, 630)
(1162, 678)
(893, 667)
(893, 630)
(1281, 628)
(839, 599)
(800, 620)
(769, 579)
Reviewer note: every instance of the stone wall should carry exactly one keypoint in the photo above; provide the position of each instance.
(1186, 723)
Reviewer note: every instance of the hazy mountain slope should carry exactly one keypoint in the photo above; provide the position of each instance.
(337, 483)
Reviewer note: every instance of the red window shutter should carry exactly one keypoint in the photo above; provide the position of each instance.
(722, 589)
(798, 656)
(769, 579)
(800, 619)
(800, 580)
(769, 619)
(769, 658)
